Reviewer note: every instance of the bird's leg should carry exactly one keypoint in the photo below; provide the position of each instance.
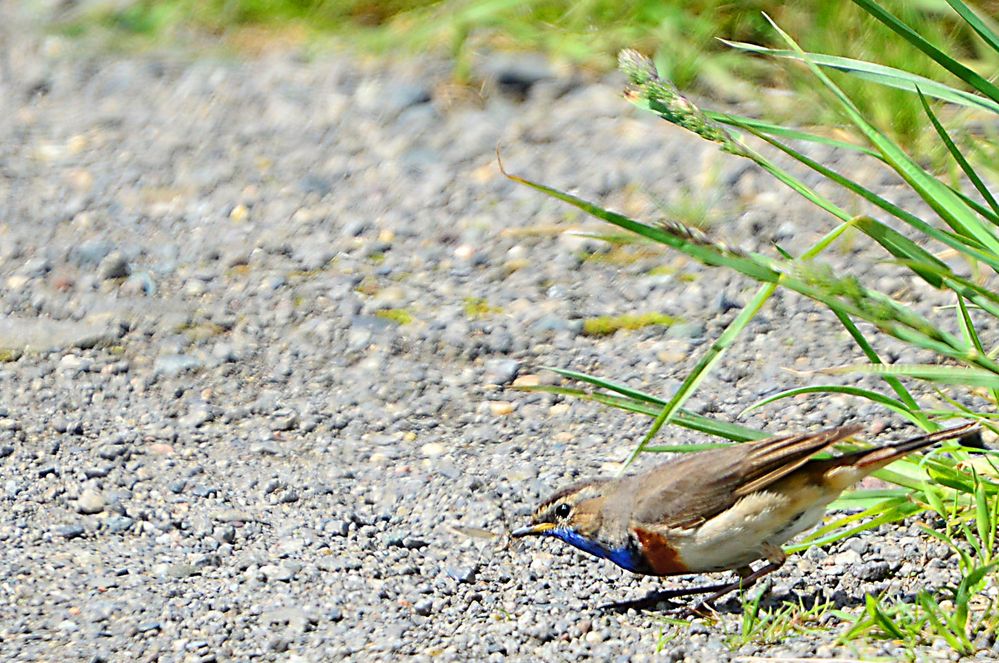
(747, 577)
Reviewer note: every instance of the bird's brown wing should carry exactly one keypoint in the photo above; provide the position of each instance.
(692, 489)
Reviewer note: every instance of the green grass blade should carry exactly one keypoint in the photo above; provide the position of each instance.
(939, 622)
(783, 252)
(978, 207)
(619, 402)
(882, 619)
(882, 75)
(796, 185)
(961, 411)
(862, 625)
(867, 498)
(981, 296)
(903, 473)
(715, 428)
(958, 156)
(976, 23)
(888, 511)
(971, 540)
(966, 561)
(959, 375)
(648, 89)
(938, 535)
(959, 480)
(933, 498)
(684, 418)
(969, 583)
(983, 517)
(967, 75)
(873, 396)
(603, 383)
(849, 297)
(742, 122)
(994, 520)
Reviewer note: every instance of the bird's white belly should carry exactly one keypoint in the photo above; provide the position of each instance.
(736, 537)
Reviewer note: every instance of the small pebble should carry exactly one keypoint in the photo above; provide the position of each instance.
(90, 501)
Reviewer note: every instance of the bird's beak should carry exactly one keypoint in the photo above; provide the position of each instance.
(532, 530)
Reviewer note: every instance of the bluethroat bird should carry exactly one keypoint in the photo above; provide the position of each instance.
(715, 510)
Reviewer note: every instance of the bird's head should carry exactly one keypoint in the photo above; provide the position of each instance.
(576, 516)
(572, 511)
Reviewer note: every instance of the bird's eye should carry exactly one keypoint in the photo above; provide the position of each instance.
(562, 510)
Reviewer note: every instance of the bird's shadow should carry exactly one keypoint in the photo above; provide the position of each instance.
(662, 600)
(666, 601)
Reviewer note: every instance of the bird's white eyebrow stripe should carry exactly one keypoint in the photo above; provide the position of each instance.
(565, 492)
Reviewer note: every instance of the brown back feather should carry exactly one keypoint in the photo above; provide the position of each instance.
(791, 454)
(689, 490)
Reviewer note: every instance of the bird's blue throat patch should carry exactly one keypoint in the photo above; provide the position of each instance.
(627, 558)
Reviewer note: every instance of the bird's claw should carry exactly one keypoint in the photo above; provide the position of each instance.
(704, 609)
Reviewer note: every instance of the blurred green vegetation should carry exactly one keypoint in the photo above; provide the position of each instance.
(586, 33)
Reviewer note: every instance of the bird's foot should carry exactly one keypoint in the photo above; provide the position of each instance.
(705, 609)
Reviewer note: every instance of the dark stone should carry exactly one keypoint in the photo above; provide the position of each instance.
(424, 607)
(71, 531)
(119, 523)
(873, 571)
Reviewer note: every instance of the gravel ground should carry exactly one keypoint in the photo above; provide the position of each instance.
(260, 320)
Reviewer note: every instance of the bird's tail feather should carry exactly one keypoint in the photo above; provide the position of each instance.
(875, 459)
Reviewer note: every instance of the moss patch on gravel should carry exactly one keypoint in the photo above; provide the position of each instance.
(608, 324)
(397, 315)
(9, 354)
(477, 307)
